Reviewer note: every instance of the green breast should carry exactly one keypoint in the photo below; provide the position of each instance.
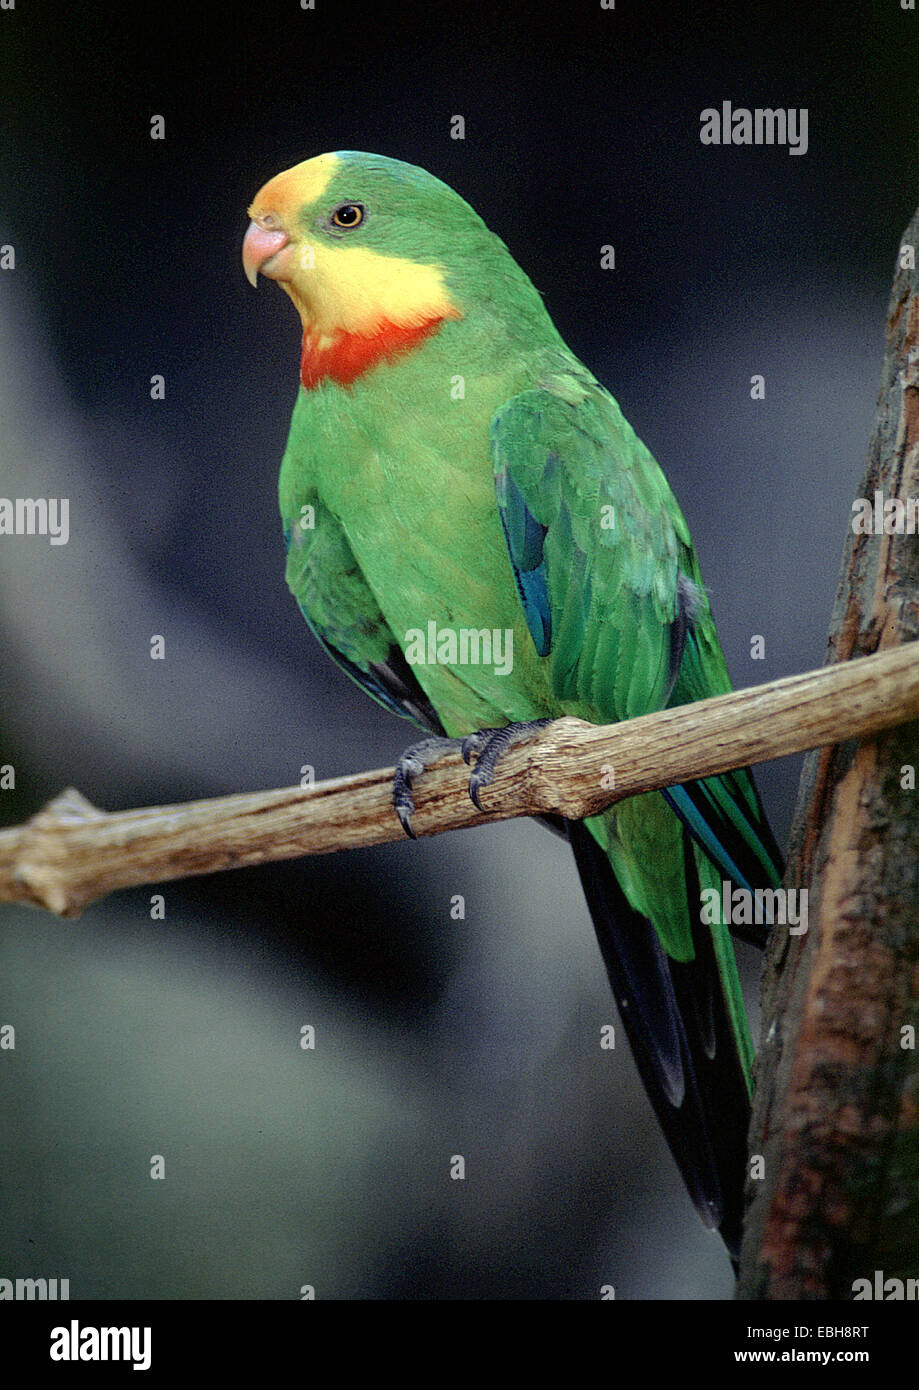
(401, 458)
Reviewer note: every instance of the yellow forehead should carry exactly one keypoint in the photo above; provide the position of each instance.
(296, 187)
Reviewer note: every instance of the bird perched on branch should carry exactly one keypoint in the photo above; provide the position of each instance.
(476, 534)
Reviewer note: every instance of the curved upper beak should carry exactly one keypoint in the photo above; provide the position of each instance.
(260, 245)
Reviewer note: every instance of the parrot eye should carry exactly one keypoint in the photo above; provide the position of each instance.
(348, 215)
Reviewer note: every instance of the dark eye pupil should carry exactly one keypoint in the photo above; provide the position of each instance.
(347, 216)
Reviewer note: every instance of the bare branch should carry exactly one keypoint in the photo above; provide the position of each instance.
(70, 853)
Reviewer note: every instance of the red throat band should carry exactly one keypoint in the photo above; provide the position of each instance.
(348, 355)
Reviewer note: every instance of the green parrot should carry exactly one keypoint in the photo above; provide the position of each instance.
(476, 534)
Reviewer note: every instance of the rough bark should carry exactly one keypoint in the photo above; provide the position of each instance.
(836, 1115)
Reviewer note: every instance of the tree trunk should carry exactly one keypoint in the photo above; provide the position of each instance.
(836, 1114)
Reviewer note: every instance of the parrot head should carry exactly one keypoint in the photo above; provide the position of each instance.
(374, 253)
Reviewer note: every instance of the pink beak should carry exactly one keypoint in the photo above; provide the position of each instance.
(259, 245)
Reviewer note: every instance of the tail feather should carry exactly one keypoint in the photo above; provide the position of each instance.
(679, 1028)
(734, 833)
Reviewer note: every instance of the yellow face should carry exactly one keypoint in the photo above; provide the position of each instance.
(335, 287)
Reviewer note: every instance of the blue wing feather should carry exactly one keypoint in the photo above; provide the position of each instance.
(525, 539)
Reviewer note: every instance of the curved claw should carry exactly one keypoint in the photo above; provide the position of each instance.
(411, 765)
(473, 744)
(491, 745)
(486, 745)
(474, 784)
(402, 799)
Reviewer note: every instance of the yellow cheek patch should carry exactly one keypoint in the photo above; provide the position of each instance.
(349, 289)
(296, 187)
(354, 289)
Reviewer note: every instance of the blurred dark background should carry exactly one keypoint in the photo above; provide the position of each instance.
(179, 1037)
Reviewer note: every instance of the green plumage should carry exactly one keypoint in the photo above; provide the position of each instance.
(485, 479)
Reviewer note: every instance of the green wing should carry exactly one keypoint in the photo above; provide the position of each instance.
(597, 543)
(598, 546)
(614, 600)
(343, 613)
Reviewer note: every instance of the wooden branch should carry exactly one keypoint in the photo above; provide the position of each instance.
(70, 854)
(836, 1113)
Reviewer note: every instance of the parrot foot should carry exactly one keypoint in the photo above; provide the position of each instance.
(489, 746)
(411, 765)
